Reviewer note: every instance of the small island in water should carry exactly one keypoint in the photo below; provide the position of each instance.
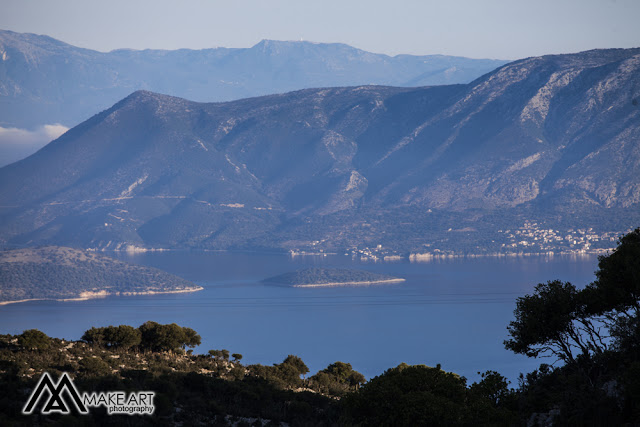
(60, 273)
(325, 277)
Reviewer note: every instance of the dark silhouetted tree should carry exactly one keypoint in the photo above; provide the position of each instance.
(94, 336)
(408, 396)
(553, 321)
(337, 379)
(172, 337)
(34, 339)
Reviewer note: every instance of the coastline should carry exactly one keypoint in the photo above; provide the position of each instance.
(84, 296)
(388, 257)
(331, 284)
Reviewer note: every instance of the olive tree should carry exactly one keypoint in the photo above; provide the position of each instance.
(172, 337)
(548, 322)
(33, 339)
(337, 378)
(558, 319)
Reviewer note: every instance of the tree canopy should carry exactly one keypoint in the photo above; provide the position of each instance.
(337, 378)
(617, 287)
(409, 395)
(553, 320)
(596, 332)
(561, 320)
(123, 336)
(33, 339)
(149, 336)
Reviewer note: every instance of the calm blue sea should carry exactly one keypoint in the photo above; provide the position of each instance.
(453, 312)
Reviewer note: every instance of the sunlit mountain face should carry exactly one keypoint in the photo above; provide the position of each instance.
(551, 141)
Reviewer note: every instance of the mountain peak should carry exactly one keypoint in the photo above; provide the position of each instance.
(143, 96)
(280, 44)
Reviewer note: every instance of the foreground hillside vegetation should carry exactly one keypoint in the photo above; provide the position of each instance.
(65, 273)
(592, 335)
(216, 388)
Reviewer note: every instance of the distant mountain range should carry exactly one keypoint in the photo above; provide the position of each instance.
(552, 141)
(45, 81)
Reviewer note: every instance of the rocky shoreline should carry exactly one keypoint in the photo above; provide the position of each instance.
(84, 296)
(364, 283)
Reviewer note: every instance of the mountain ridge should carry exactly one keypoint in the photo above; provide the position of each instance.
(46, 81)
(549, 140)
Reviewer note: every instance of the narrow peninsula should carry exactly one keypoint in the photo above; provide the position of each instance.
(326, 277)
(66, 274)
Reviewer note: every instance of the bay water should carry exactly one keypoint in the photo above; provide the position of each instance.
(452, 312)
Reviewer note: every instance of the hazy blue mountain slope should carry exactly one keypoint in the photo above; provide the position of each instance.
(551, 139)
(43, 80)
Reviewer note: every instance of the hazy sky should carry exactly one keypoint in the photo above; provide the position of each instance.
(505, 29)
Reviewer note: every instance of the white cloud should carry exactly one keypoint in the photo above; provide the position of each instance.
(16, 144)
(42, 135)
